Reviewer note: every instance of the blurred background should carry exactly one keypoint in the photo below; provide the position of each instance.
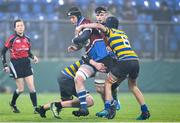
(153, 27)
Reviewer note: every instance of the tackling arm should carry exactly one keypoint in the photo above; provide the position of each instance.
(91, 25)
(99, 66)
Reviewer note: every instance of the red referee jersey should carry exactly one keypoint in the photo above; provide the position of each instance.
(19, 46)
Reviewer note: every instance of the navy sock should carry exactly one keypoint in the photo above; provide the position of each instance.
(144, 108)
(114, 94)
(107, 104)
(58, 105)
(82, 99)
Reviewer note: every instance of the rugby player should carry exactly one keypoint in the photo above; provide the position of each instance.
(126, 66)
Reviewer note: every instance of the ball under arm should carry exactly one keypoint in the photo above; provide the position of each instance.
(82, 39)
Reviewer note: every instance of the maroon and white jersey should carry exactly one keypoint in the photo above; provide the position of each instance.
(95, 34)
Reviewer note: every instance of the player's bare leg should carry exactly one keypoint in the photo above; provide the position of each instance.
(110, 104)
(58, 105)
(100, 90)
(135, 90)
(99, 85)
(84, 72)
(140, 98)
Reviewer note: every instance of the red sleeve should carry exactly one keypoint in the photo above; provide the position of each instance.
(8, 43)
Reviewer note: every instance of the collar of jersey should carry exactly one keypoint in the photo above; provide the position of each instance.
(19, 35)
(80, 21)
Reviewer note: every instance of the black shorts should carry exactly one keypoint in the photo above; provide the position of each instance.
(108, 61)
(67, 87)
(20, 68)
(126, 68)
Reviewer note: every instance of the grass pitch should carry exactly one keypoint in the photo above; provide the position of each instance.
(163, 107)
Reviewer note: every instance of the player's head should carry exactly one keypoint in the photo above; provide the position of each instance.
(74, 14)
(19, 26)
(101, 14)
(112, 22)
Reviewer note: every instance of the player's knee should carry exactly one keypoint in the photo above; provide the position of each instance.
(132, 84)
(90, 100)
(19, 91)
(100, 89)
(80, 76)
(32, 89)
(78, 79)
(84, 72)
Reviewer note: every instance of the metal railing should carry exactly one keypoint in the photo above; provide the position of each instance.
(50, 39)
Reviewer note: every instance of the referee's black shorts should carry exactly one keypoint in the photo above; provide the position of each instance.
(20, 68)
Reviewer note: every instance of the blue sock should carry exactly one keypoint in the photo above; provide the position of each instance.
(82, 99)
(107, 104)
(144, 108)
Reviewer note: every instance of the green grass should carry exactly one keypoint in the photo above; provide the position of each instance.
(163, 107)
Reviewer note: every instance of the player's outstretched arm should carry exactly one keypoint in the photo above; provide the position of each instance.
(90, 25)
(73, 48)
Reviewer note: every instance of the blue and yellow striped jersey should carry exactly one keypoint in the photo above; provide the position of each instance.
(120, 45)
(71, 70)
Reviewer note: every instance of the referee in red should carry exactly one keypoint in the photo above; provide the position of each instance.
(19, 67)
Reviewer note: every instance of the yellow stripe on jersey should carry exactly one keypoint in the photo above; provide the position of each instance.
(72, 69)
(78, 63)
(119, 47)
(69, 72)
(119, 43)
(131, 53)
(116, 41)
